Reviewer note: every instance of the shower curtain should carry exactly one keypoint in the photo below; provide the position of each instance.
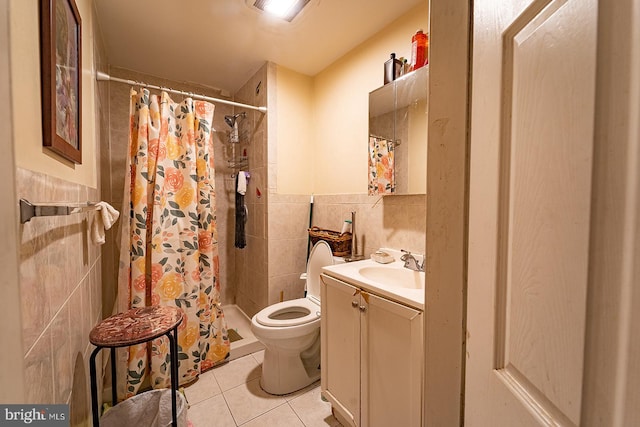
(381, 166)
(171, 235)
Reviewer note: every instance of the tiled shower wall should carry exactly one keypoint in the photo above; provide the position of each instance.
(252, 261)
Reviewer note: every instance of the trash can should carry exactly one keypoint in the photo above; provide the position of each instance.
(148, 409)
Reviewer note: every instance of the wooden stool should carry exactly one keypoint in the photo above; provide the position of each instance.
(136, 326)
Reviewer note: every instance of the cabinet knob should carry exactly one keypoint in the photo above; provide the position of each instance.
(354, 303)
(363, 308)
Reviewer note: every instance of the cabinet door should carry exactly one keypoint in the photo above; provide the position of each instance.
(340, 352)
(391, 352)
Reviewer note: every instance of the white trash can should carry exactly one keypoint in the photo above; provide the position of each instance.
(147, 409)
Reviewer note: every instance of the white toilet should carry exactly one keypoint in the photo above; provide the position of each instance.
(290, 332)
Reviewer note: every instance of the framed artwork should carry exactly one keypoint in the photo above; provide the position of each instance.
(61, 68)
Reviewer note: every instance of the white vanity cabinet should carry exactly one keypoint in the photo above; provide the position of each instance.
(372, 360)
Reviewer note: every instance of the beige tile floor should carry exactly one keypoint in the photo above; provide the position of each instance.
(230, 395)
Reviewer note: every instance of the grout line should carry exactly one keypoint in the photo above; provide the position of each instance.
(286, 401)
(295, 413)
(265, 413)
(228, 407)
(55, 315)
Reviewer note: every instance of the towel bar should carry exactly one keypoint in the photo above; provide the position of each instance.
(29, 210)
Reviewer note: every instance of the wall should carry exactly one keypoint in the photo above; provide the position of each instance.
(447, 213)
(60, 285)
(11, 358)
(25, 67)
(59, 266)
(329, 121)
(251, 263)
(393, 222)
(336, 125)
(341, 105)
(294, 136)
(417, 148)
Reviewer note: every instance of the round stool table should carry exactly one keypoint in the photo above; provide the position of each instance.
(136, 326)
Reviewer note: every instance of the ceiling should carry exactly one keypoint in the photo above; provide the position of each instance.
(222, 43)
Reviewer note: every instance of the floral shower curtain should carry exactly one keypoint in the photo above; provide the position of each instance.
(381, 166)
(171, 235)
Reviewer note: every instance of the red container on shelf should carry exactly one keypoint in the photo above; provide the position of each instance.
(419, 46)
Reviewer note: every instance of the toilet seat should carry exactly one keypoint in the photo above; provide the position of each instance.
(320, 256)
(301, 310)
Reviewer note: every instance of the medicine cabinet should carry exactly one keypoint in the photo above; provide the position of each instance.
(398, 123)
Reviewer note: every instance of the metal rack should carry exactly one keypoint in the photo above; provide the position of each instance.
(238, 140)
(29, 210)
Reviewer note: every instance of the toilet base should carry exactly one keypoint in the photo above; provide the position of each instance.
(285, 371)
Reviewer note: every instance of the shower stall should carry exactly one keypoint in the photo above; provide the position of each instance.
(240, 141)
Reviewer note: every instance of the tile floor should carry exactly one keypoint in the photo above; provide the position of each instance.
(230, 395)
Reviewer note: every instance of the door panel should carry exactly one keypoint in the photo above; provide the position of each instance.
(340, 351)
(544, 255)
(529, 215)
(391, 363)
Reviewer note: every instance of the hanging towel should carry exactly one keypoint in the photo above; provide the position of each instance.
(241, 211)
(242, 183)
(104, 219)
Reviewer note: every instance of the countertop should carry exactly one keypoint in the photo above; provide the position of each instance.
(350, 272)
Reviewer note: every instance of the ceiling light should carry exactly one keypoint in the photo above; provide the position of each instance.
(285, 9)
(279, 7)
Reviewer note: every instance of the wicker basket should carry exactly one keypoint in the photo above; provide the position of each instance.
(340, 243)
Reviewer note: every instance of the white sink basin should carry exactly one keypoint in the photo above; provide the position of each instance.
(391, 280)
(393, 276)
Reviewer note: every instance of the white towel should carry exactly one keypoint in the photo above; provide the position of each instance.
(242, 183)
(104, 219)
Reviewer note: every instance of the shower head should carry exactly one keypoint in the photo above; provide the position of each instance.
(231, 120)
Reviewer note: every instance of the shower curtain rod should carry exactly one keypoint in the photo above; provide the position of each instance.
(106, 77)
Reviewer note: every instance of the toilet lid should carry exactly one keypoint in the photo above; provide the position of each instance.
(321, 256)
(289, 313)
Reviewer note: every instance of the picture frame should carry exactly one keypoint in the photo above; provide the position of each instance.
(61, 78)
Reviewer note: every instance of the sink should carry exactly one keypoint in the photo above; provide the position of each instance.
(393, 276)
(391, 281)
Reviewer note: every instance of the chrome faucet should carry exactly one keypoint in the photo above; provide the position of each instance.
(411, 262)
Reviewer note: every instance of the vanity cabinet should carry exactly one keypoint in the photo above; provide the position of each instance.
(372, 360)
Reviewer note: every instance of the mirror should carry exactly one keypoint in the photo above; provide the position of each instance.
(398, 135)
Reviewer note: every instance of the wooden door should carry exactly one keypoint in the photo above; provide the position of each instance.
(554, 240)
(532, 134)
(391, 348)
(340, 351)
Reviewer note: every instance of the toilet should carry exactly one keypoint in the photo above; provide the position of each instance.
(290, 332)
